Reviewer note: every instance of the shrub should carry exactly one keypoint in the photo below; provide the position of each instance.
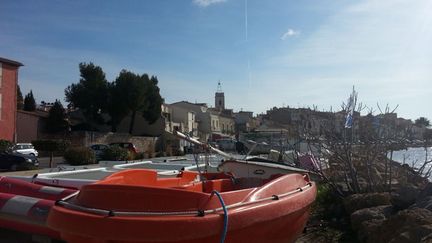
(115, 153)
(51, 145)
(328, 203)
(4, 145)
(131, 155)
(140, 156)
(79, 156)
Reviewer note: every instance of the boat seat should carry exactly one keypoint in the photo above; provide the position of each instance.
(220, 185)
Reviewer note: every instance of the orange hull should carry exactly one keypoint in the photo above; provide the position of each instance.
(25, 206)
(129, 207)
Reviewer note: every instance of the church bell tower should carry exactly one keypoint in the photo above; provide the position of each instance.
(219, 98)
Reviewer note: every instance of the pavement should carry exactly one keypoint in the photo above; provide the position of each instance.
(43, 167)
(44, 161)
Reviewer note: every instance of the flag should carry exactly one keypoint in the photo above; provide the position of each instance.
(349, 121)
(351, 103)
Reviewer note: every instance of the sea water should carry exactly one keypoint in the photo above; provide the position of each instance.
(414, 157)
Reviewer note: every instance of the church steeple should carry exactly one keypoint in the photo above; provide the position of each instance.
(219, 87)
(219, 98)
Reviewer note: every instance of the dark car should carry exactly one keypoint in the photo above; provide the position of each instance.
(98, 149)
(10, 161)
(129, 146)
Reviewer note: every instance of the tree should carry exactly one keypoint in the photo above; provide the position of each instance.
(117, 103)
(29, 102)
(427, 135)
(131, 86)
(56, 121)
(20, 100)
(153, 111)
(422, 121)
(131, 93)
(51, 146)
(90, 94)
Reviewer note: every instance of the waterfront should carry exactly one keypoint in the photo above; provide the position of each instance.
(415, 157)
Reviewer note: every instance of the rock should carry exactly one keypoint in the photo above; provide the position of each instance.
(414, 234)
(425, 203)
(426, 239)
(367, 214)
(405, 196)
(410, 225)
(369, 220)
(427, 191)
(359, 201)
(368, 228)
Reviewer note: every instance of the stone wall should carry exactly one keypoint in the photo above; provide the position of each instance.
(87, 138)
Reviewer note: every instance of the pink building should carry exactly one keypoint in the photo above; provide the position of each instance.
(30, 125)
(8, 92)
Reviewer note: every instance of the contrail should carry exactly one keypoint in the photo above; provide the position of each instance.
(247, 48)
(249, 75)
(246, 20)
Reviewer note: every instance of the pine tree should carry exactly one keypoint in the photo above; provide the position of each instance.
(56, 121)
(422, 121)
(20, 100)
(132, 93)
(29, 102)
(90, 94)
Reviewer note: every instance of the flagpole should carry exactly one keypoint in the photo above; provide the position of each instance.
(353, 113)
(349, 123)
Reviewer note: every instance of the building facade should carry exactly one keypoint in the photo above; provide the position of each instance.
(187, 120)
(204, 122)
(30, 125)
(8, 97)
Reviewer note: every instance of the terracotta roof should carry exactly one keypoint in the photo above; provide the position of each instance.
(10, 62)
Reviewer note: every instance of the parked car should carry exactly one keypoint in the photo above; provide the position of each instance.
(16, 161)
(25, 148)
(129, 146)
(98, 149)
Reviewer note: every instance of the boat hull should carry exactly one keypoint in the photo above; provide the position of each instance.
(283, 230)
(25, 206)
(261, 216)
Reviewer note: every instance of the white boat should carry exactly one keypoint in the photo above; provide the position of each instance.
(262, 170)
(76, 178)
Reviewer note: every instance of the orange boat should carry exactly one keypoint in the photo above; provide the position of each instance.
(25, 206)
(136, 206)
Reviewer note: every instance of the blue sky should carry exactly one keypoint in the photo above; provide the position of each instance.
(272, 53)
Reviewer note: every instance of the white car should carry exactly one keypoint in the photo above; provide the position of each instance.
(25, 148)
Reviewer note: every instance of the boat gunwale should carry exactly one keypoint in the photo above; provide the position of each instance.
(267, 164)
(111, 213)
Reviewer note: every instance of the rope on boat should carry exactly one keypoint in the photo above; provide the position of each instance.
(225, 225)
(110, 213)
